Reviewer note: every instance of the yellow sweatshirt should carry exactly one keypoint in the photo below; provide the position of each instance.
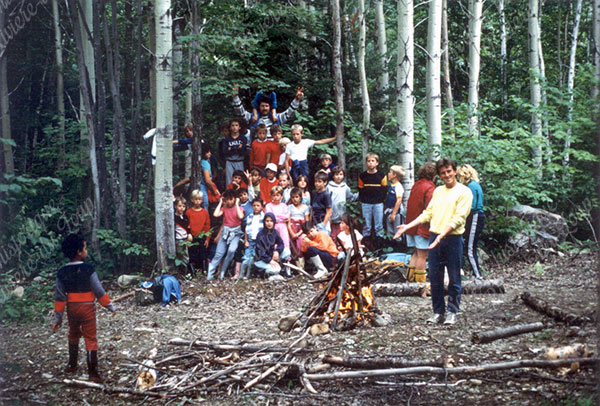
(448, 207)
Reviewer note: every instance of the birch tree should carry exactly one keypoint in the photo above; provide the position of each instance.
(596, 23)
(60, 99)
(384, 77)
(196, 96)
(163, 177)
(571, 84)
(362, 73)
(475, 15)
(446, 66)
(503, 52)
(86, 21)
(404, 93)
(434, 106)
(534, 85)
(338, 80)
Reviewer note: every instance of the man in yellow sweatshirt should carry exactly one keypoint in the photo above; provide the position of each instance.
(446, 214)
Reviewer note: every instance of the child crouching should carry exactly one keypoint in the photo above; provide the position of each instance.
(319, 249)
(269, 248)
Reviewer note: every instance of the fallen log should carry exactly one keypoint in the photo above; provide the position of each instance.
(483, 337)
(477, 286)
(555, 312)
(468, 370)
(380, 362)
(113, 389)
(124, 296)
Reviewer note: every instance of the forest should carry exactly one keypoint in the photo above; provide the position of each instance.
(509, 87)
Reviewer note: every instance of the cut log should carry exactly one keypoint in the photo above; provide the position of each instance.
(467, 370)
(380, 362)
(478, 286)
(483, 337)
(555, 312)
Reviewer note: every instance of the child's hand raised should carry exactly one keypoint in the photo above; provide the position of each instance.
(299, 93)
(236, 90)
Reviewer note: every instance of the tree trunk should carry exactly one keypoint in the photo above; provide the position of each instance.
(545, 127)
(570, 88)
(404, 94)
(152, 72)
(555, 312)
(135, 180)
(384, 77)
(339, 81)
(434, 107)
(489, 336)
(118, 179)
(596, 24)
(60, 99)
(503, 55)
(534, 87)
(86, 18)
(446, 67)
(88, 104)
(475, 16)
(7, 155)
(163, 181)
(196, 98)
(362, 74)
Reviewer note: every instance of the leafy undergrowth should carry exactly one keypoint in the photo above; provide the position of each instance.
(32, 359)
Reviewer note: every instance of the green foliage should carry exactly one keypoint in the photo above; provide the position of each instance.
(120, 246)
(33, 305)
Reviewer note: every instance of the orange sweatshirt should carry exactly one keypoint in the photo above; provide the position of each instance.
(322, 242)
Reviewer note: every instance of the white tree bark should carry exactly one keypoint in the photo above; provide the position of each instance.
(384, 77)
(7, 155)
(434, 96)
(446, 67)
(404, 93)
(503, 51)
(534, 85)
(163, 179)
(475, 16)
(339, 82)
(60, 99)
(362, 74)
(87, 27)
(596, 23)
(571, 83)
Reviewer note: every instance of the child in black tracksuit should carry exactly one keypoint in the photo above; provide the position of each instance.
(77, 288)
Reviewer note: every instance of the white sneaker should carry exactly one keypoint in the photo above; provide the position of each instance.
(436, 318)
(450, 318)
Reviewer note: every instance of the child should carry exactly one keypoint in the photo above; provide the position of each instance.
(233, 214)
(183, 232)
(268, 183)
(260, 151)
(299, 214)
(237, 180)
(254, 223)
(297, 152)
(344, 235)
(340, 195)
(372, 189)
(254, 178)
(319, 249)
(281, 213)
(269, 247)
(283, 143)
(245, 203)
(393, 201)
(284, 181)
(321, 203)
(256, 102)
(276, 133)
(234, 149)
(326, 164)
(200, 230)
(302, 184)
(77, 286)
(206, 182)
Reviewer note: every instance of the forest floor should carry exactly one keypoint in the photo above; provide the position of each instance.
(32, 358)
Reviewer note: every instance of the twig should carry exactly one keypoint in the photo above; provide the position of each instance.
(112, 389)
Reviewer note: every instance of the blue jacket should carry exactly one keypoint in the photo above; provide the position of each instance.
(266, 240)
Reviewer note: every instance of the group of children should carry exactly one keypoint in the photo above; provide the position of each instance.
(268, 213)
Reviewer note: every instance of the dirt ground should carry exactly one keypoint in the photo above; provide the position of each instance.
(32, 358)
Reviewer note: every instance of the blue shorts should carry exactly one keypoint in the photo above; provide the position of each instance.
(417, 241)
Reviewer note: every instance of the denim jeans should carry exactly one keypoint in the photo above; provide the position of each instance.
(266, 266)
(447, 253)
(204, 191)
(248, 259)
(299, 168)
(475, 223)
(228, 244)
(325, 256)
(373, 215)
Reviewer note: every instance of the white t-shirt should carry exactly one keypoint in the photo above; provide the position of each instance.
(346, 239)
(299, 152)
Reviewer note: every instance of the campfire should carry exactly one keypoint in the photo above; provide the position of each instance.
(346, 299)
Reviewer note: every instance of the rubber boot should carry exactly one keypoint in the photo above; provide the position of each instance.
(238, 266)
(92, 362)
(420, 275)
(73, 354)
(410, 274)
(321, 270)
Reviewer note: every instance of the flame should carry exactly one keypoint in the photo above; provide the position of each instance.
(350, 301)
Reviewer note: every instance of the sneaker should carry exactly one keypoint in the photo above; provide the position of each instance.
(436, 318)
(450, 318)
